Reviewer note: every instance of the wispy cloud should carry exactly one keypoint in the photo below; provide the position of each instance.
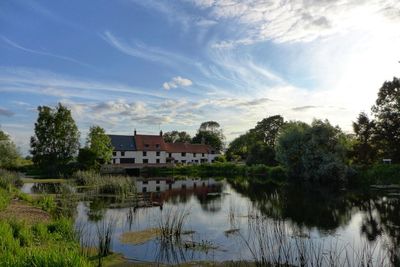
(303, 108)
(295, 21)
(146, 52)
(20, 47)
(177, 81)
(6, 113)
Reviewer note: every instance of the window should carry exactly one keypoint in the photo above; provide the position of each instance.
(144, 190)
(170, 155)
(144, 153)
(114, 153)
(113, 161)
(158, 153)
(157, 181)
(183, 161)
(122, 153)
(157, 160)
(146, 145)
(202, 154)
(157, 188)
(194, 155)
(157, 145)
(145, 161)
(183, 154)
(145, 182)
(127, 160)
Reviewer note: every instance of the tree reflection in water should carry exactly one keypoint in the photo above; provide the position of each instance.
(328, 209)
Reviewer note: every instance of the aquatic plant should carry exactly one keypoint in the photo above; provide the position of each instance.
(8, 180)
(171, 223)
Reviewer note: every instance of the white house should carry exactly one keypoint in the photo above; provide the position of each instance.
(151, 150)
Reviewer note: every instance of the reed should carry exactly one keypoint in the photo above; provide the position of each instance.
(171, 223)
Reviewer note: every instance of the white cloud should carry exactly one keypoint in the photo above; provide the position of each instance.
(177, 81)
(294, 20)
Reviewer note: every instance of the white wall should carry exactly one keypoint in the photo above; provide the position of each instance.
(152, 157)
(138, 156)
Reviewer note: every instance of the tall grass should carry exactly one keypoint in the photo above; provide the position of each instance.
(52, 244)
(171, 223)
(272, 243)
(122, 186)
(8, 180)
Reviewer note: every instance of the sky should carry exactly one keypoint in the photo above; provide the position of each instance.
(170, 65)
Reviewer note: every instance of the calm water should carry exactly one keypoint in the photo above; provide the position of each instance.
(318, 219)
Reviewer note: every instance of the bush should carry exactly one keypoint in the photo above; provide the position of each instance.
(381, 174)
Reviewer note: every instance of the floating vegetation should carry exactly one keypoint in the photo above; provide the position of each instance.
(232, 232)
(139, 237)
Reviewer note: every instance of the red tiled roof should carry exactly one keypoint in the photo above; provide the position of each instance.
(149, 142)
(188, 148)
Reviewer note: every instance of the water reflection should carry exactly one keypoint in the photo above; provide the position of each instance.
(221, 213)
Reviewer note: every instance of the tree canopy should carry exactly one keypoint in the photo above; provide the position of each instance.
(211, 134)
(387, 119)
(177, 137)
(364, 152)
(8, 151)
(313, 152)
(56, 139)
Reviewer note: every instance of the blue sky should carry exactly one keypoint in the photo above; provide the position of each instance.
(128, 64)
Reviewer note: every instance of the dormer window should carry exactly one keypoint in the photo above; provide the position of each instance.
(146, 145)
(157, 145)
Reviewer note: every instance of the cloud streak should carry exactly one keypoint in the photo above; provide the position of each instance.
(6, 113)
(20, 47)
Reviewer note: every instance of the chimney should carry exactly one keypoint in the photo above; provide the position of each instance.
(161, 133)
(134, 132)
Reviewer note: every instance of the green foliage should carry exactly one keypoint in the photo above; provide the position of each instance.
(8, 152)
(315, 152)
(257, 145)
(220, 159)
(41, 244)
(100, 144)
(9, 179)
(56, 139)
(177, 137)
(210, 134)
(380, 174)
(47, 203)
(363, 150)
(123, 186)
(5, 198)
(387, 119)
(87, 159)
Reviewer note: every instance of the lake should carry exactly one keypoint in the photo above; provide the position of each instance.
(235, 219)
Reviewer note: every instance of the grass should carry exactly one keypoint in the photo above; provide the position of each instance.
(221, 169)
(122, 186)
(171, 223)
(41, 244)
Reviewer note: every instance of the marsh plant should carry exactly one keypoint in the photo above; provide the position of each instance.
(105, 231)
(172, 222)
(8, 180)
(122, 186)
(272, 243)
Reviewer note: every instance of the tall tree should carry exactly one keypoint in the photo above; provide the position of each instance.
(56, 139)
(363, 150)
(316, 152)
(211, 134)
(177, 137)
(267, 129)
(387, 117)
(8, 151)
(98, 149)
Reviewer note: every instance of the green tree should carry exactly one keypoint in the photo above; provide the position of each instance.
(387, 119)
(211, 134)
(363, 151)
(267, 129)
(177, 137)
(8, 152)
(316, 152)
(100, 144)
(257, 145)
(56, 139)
